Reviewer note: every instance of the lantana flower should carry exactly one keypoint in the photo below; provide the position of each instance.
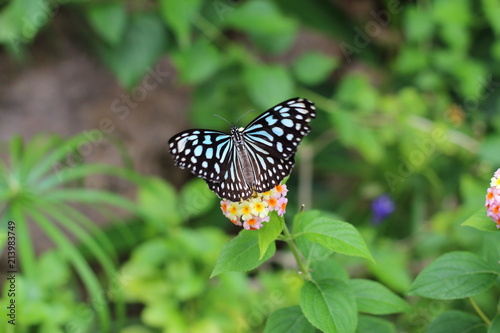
(252, 212)
(493, 199)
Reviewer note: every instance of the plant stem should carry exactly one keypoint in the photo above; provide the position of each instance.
(479, 311)
(296, 253)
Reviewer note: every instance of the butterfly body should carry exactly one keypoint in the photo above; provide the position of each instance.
(251, 159)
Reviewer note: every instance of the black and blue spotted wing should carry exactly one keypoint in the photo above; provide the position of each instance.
(271, 141)
(205, 153)
(211, 155)
(273, 137)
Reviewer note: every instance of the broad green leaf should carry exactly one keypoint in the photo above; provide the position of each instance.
(495, 325)
(196, 198)
(481, 221)
(329, 305)
(268, 29)
(353, 86)
(259, 17)
(108, 20)
(20, 20)
(417, 26)
(313, 67)
(269, 232)
(374, 298)
(374, 325)
(312, 251)
(197, 63)
(452, 276)
(241, 254)
(368, 145)
(142, 43)
(337, 236)
(491, 10)
(288, 320)
(345, 123)
(488, 150)
(456, 322)
(268, 84)
(179, 15)
(158, 203)
(328, 268)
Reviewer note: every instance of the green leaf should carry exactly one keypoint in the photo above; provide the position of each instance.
(159, 204)
(143, 42)
(374, 325)
(288, 320)
(329, 305)
(313, 67)
(374, 298)
(491, 10)
(108, 20)
(269, 232)
(196, 198)
(197, 63)
(353, 86)
(20, 20)
(368, 144)
(391, 266)
(452, 276)
(456, 322)
(268, 84)
(178, 15)
(311, 251)
(337, 236)
(328, 268)
(259, 17)
(495, 325)
(417, 26)
(241, 254)
(489, 149)
(481, 221)
(268, 29)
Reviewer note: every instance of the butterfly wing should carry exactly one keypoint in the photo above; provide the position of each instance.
(233, 185)
(272, 140)
(211, 155)
(280, 129)
(205, 153)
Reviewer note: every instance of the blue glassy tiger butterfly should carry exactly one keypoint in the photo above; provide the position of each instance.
(251, 159)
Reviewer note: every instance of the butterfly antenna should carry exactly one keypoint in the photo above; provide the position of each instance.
(216, 115)
(243, 115)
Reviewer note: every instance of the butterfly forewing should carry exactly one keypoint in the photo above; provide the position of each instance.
(280, 129)
(270, 142)
(205, 153)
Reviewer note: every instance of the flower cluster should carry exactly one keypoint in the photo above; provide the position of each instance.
(252, 212)
(493, 199)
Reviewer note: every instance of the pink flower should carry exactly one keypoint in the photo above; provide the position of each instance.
(281, 206)
(255, 223)
(493, 199)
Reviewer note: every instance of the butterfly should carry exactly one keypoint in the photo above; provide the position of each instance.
(247, 160)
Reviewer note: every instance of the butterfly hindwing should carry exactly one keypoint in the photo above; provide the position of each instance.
(233, 186)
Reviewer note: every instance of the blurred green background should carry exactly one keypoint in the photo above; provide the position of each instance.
(111, 237)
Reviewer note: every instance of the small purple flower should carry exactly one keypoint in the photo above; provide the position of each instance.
(382, 207)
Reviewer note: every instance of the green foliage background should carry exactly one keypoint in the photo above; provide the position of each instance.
(408, 106)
